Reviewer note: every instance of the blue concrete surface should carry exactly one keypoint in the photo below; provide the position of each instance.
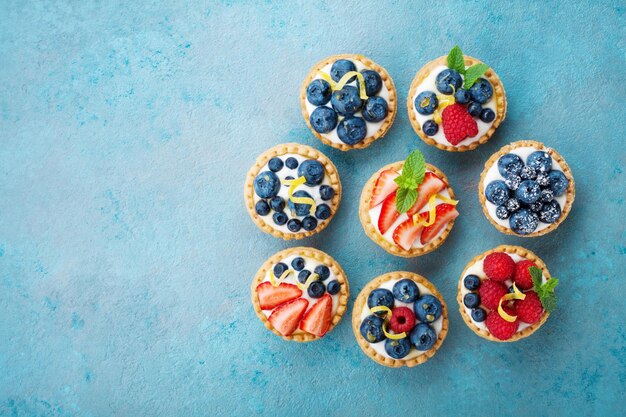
(126, 252)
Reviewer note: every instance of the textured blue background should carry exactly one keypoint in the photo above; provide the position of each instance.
(126, 252)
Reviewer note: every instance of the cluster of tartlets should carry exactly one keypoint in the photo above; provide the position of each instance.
(408, 208)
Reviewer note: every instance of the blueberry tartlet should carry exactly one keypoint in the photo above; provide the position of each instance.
(400, 319)
(300, 294)
(456, 102)
(348, 101)
(526, 189)
(293, 191)
(408, 207)
(506, 294)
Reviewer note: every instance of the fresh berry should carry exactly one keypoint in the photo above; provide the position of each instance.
(529, 310)
(445, 213)
(528, 192)
(427, 308)
(275, 164)
(524, 222)
(289, 177)
(457, 123)
(430, 127)
(474, 109)
(499, 266)
(497, 192)
(323, 119)
(318, 92)
(431, 185)
(502, 213)
(373, 82)
(471, 300)
(380, 297)
(462, 96)
(543, 180)
(408, 231)
(487, 115)
(448, 81)
(398, 348)
(479, 315)
(309, 223)
(277, 203)
(317, 320)
(266, 184)
(402, 320)
(271, 297)
(500, 328)
(426, 103)
(540, 160)
(522, 277)
(372, 329)
(388, 213)
(550, 212)
(322, 212)
(340, 68)
(303, 276)
(384, 186)
(375, 109)
(346, 101)
(291, 162)
(298, 263)
(316, 289)
(262, 208)
(558, 182)
(301, 209)
(490, 293)
(536, 207)
(471, 282)
(513, 182)
(423, 337)
(286, 317)
(528, 173)
(326, 192)
(481, 91)
(512, 205)
(279, 269)
(294, 225)
(333, 287)
(510, 164)
(352, 130)
(313, 172)
(322, 271)
(406, 291)
(547, 195)
(280, 218)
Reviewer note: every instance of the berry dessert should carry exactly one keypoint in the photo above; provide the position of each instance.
(348, 101)
(526, 189)
(292, 191)
(400, 319)
(408, 207)
(456, 102)
(506, 294)
(300, 294)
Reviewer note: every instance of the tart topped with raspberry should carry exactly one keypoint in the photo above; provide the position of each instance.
(456, 102)
(348, 101)
(526, 189)
(300, 294)
(408, 207)
(506, 294)
(293, 191)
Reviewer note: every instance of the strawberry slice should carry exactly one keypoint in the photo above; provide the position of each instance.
(388, 213)
(384, 186)
(443, 214)
(407, 231)
(317, 319)
(271, 297)
(286, 317)
(432, 185)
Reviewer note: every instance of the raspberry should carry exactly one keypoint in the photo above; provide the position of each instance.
(457, 123)
(529, 310)
(500, 328)
(499, 266)
(490, 293)
(522, 277)
(402, 320)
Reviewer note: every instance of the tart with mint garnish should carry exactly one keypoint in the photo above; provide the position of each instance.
(292, 191)
(348, 101)
(526, 189)
(300, 294)
(456, 102)
(506, 294)
(408, 207)
(400, 319)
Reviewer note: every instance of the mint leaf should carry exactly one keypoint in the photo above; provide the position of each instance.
(473, 73)
(548, 302)
(415, 167)
(405, 198)
(405, 182)
(550, 284)
(545, 291)
(536, 275)
(456, 60)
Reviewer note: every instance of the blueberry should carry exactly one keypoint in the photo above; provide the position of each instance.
(481, 91)
(318, 92)
(375, 109)
(426, 103)
(280, 218)
(303, 276)
(510, 164)
(373, 82)
(323, 119)
(502, 213)
(333, 287)
(266, 184)
(497, 192)
(406, 291)
(447, 79)
(513, 182)
(327, 192)
(462, 96)
(300, 209)
(512, 205)
(322, 212)
(430, 127)
(536, 207)
(313, 172)
(487, 115)
(474, 109)
(547, 195)
(275, 164)
(543, 180)
(471, 282)
(558, 182)
(528, 192)
(540, 160)
(294, 225)
(340, 68)
(380, 297)
(398, 348)
(352, 130)
(471, 300)
(277, 203)
(262, 208)
(423, 336)
(427, 308)
(316, 289)
(289, 177)
(524, 222)
(298, 263)
(309, 223)
(528, 173)
(292, 163)
(550, 212)
(279, 269)
(372, 329)
(346, 101)
(479, 315)
(322, 271)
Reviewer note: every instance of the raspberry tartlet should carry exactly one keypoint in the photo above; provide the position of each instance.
(526, 189)
(400, 319)
(300, 294)
(292, 191)
(408, 207)
(348, 101)
(506, 294)
(456, 102)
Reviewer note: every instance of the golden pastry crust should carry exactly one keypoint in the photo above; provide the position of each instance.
(308, 152)
(392, 102)
(312, 253)
(525, 253)
(498, 91)
(361, 302)
(371, 230)
(570, 193)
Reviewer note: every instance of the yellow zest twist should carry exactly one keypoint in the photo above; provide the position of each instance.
(344, 80)
(293, 185)
(387, 311)
(432, 209)
(276, 281)
(515, 295)
(310, 279)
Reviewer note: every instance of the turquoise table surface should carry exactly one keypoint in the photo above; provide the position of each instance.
(126, 251)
